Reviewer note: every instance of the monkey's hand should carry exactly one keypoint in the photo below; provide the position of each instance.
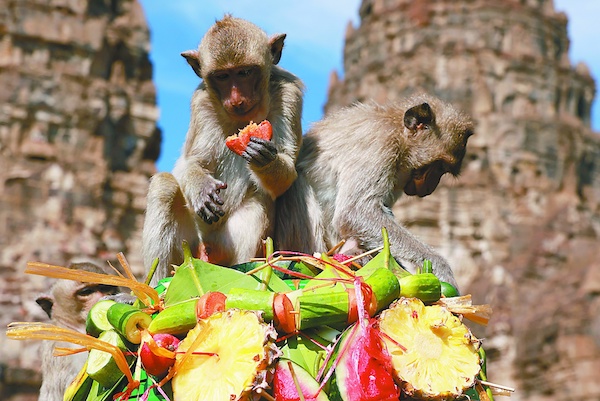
(208, 203)
(260, 152)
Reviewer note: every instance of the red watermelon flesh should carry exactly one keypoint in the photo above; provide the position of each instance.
(238, 142)
(364, 370)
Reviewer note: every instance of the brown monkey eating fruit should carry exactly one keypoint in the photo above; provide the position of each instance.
(219, 201)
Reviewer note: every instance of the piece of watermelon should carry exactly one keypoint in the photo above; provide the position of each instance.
(285, 388)
(238, 142)
(363, 369)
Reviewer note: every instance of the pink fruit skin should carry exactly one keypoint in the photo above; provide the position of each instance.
(158, 365)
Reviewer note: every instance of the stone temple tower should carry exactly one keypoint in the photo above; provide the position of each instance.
(521, 225)
(78, 143)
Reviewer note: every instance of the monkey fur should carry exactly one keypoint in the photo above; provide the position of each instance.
(354, 165)
(67, 305)
(220, 203)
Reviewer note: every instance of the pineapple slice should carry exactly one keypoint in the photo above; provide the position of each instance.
(434, 355)
(242, 361)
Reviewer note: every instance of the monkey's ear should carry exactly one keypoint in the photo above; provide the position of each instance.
(193, 59)
(276, 43)
(46, 302)
(417, 116)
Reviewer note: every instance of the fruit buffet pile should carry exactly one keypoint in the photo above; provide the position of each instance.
(286, 327)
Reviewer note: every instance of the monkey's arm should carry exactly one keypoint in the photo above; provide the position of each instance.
(200, 188)
(362, 213)
(277, 170)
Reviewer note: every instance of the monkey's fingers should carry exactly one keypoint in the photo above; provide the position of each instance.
(211, 213)
(216, 198)
(260, 152)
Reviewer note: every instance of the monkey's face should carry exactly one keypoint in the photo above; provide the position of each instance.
(438, 144)
(86, 295)
(241, 93)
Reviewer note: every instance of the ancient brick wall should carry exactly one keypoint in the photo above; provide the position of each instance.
(78, 142)
(521, 225)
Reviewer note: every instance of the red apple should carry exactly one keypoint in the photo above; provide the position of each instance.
(158, 365)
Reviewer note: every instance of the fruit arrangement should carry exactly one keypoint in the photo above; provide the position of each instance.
(288, 327)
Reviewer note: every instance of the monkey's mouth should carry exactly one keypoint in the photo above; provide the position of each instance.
(423, 182)
(245, 114)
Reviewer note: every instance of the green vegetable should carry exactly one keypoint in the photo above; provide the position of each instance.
(97, 320)
(101, 366)
(129, 321)
(176, 319)
(195, 277)
(425, 286)
(448, 290)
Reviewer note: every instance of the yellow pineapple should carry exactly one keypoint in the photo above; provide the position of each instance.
(434, 355)
(231, 356)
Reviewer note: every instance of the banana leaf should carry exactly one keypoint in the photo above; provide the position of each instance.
(196, 277)
(290, 265)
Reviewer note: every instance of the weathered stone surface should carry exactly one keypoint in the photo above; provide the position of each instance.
(521, 225)
(78, 142)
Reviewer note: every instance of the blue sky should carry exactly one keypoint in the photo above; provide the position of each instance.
(313, 49)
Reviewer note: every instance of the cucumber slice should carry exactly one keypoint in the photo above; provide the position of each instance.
(101, 366)
(97, 321)
(129, 321)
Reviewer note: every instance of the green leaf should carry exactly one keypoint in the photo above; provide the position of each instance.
(384, 259)
(328, 274)
(304, 352)
(266, 273)
(196, 277)
(282, 265)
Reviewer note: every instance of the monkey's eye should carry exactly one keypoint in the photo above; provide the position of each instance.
(86, 291)
(89, 290)
(222, 76)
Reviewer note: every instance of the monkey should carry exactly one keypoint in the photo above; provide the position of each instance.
(220, 203)
(353, 166)
(67, 304)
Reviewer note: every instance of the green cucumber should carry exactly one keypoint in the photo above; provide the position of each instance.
(448, 290)
(129, 321)
(97, 320)
(176, 319)
(258, 300)
(318, 309)
(385, 287)
(425, 286)
(101, 366)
